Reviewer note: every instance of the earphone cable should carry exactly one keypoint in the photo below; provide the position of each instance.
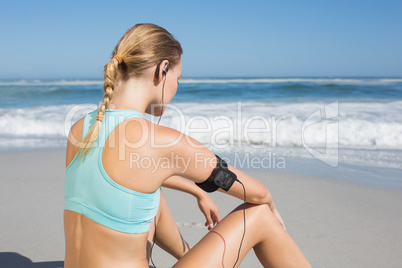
(153, 243)
(244, 222)
(163, 90)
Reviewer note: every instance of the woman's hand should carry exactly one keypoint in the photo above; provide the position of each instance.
(205, 203)
(209, 209)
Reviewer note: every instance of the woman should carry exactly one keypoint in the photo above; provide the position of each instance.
(113, 197)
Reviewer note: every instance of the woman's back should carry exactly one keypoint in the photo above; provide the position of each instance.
(89, 244)
(90, 191)
(106, 219)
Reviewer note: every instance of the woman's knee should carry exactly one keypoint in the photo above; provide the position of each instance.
(261, 213)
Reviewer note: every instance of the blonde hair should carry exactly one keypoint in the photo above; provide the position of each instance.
(141, 47)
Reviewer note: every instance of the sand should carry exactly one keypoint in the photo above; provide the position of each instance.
(335, 223)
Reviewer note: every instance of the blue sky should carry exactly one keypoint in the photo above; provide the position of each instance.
(74, 39)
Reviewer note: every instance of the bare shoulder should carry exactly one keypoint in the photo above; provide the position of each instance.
(191, 158)
(74, 136)
(76, 131)
(158, 135)
(175, 139)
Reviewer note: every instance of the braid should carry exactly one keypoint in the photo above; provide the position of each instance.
(88, 141)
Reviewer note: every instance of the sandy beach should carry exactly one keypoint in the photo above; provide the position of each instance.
(335, 223)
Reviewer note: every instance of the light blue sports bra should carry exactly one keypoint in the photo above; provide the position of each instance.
(91, 192)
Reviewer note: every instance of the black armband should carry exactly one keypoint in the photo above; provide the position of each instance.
(221, 177)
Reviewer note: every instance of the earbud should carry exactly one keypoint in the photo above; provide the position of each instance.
(164, 72)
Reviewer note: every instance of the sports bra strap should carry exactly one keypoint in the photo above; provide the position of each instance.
(112, 119)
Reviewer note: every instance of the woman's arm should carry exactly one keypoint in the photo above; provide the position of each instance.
(261, 193)
(195, 162)
(205, 203)
(181, 184)
(256, 192)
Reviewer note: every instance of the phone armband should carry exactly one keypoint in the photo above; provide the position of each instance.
(221, 177)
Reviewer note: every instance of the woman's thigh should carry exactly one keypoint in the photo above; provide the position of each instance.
(220, 247)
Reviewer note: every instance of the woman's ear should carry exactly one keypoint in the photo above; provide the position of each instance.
(166, 69)
(161, 69)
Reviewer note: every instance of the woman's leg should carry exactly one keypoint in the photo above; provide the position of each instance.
(168, 236)
(272, 244)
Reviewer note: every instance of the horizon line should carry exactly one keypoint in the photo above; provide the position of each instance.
(218, 77)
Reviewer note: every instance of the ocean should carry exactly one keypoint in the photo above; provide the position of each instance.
(349, 121)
